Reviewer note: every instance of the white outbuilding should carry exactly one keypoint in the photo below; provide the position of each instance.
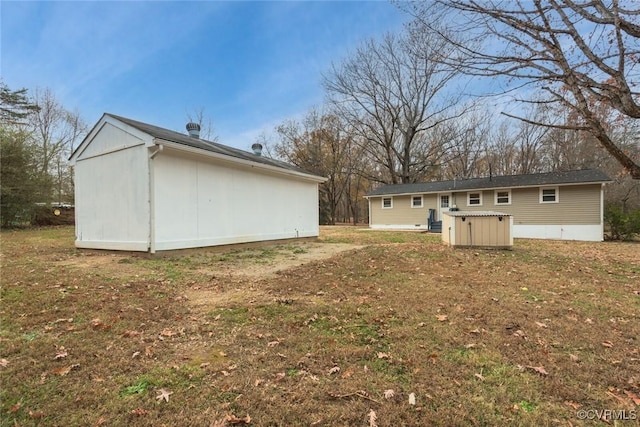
(139, 187)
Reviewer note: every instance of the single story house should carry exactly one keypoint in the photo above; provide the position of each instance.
(556, 205)
(139, 187)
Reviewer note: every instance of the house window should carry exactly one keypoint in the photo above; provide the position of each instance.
(474, 199)
(444, 201)
(387, 202)
(503, 197)
(416, 201)
(549, 195)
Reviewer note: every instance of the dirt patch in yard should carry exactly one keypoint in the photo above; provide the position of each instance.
(231, 271)
(257, 263)
(221, 271)
(267, 262)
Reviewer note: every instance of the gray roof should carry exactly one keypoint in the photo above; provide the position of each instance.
(184, 139)
(585, 176)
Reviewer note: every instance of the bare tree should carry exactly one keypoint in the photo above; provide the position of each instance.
(55, 131)
(392, 93)
(320, 144)
(207, 130)
(467, 136)
(582, 55)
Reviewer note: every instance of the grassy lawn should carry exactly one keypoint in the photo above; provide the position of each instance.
(528, 337)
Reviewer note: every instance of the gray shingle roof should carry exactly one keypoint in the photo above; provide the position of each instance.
(508, 181)
(177, 137)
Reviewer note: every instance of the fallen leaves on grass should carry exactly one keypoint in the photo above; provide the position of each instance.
(372, 418)
(412, 399)
(14, 408)
(607, 344)
(442, 317)
(615, 396)
(64, 370)
(232, 419)
(36, 415)
(98, 324)
(334, 370)
(60, 355)
(164, 395)
(542, 325)
(139, 412)
(388, 394)
(520, 334)
(633, 396)
(538, 369)
(573, 404)
(4, 363)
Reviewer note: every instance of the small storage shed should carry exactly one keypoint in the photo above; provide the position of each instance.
(485, 229)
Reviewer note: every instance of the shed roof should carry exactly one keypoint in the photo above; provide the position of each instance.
(585, 176)
(475, 213)
(214, 147)
(180, 138)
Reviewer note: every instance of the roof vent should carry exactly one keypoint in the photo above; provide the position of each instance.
(257, 149)
(193, 129)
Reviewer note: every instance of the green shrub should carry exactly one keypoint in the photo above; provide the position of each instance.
(622, 225)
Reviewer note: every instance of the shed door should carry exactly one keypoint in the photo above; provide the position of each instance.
(444, 203)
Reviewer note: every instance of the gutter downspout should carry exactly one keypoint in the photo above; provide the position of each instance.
(152, 203)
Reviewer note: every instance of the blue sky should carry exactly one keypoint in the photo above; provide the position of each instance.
(250, 65)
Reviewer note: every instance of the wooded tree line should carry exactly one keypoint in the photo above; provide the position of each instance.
(467, 89)
(37, 135)
(421, 105)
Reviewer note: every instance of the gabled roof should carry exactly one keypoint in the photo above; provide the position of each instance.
(214, 147)
(180, 138)
(586, 176)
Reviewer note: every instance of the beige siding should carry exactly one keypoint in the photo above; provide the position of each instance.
(485, 231)
(578, 204)
(402, 213)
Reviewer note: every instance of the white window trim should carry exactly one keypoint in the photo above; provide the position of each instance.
(469, 196)
(495, 202)
(557, 191)
(421, 202)
(382, 203)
